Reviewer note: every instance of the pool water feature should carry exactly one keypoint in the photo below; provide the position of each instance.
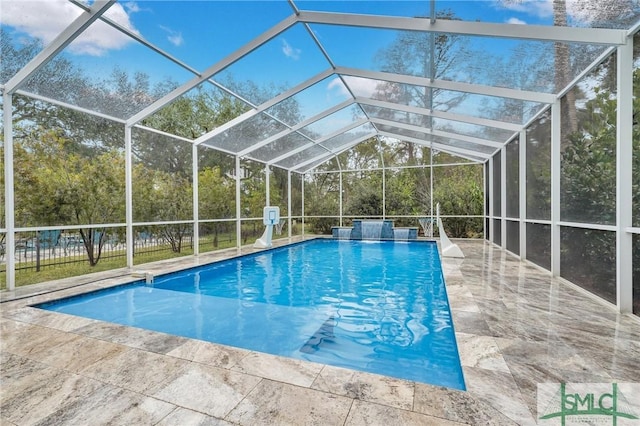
(379, 307)
(372, 229)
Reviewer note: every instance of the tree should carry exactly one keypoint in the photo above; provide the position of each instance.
(459, 191)
(589, 187)
(189, 116)
(173, 202)
(55, 186)
(321, 198)
(410, 53)
(216, 197)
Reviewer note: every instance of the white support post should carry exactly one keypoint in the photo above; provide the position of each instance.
(522, 182)
(238, 208)
(289, 210)
(341, 195)
(303, 206)
(384, 193)
(433, 223)
(384, 179)
(556, 125)
(503, 196)
(128, 191)
(492, 230)
(9, 202)
(196, 202)
(624, 171)
(267, 190)
(485, 197)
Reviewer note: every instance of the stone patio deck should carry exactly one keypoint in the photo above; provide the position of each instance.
(515, 325)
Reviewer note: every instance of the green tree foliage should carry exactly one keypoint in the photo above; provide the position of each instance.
(217, 195)
(588, 188)
(160, 196)
(459, 191)
(409, 54)
(539, 168)
(57, 186)
(405, 195)
(363, 194)
(190, 116)
(174, 202)
(321, 198)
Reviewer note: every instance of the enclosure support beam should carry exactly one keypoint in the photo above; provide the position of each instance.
(446, 115)
(289, 212)
(267, 186)
(483, 29)
(485, 195)
(491, 227)
(9, 206)
(320, 140)
(503, 197)
(384, 181)
(433, 225)
(624, 178)
(455, 136)
(340, 195)
(522, 182)
(69, 34)
(556, 125)
(238, 209)
(303, 206)
(503, 92)
(128, 195)
(196, 202)
(214, 69)
(461, 152)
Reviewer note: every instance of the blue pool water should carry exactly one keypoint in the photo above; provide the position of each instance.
(379, 307)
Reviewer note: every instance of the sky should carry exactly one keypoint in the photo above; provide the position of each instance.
(206, 32)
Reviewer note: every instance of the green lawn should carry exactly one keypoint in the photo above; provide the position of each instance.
(142, 255)
(55, 272)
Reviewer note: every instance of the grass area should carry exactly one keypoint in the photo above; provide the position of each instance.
(56, 272)
(50, 273)
(142, 255)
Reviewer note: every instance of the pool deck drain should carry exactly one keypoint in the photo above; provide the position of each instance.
(516, 326)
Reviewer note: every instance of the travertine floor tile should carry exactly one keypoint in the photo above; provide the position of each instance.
(366, 387)
(457, 406)
(183, 417)
(273, 367)
(110, 405)
(283, 404)
(209, 353)
(210, 390)
(516, 327)
(136, 370)
(364, 413)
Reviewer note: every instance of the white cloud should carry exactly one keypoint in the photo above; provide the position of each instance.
(290, 51)
(44, 20)
(359, 86)
(577, 10)
(132, 7)
(539, 8)
(336, 84)
(516, 21)
(174, 37)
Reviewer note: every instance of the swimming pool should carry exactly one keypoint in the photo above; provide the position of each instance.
(379, 307)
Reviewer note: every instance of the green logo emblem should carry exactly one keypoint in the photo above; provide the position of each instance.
(585, 403)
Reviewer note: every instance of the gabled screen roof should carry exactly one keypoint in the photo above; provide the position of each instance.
(295, 83)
